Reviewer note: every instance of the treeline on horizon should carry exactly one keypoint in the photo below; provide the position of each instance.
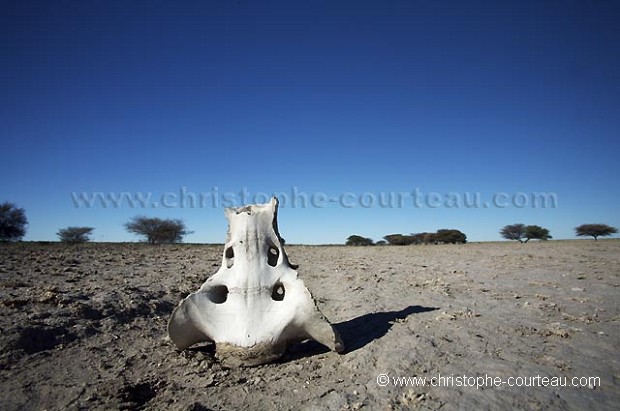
(443, 236)
(518, 232)
(153, 230)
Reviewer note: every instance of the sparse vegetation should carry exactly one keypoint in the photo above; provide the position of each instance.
(523, 233)
(13, 222)
(449, 236)
(595, 230)
(423, 238)
(443, 236)
(513, 232)
(75, 235)
(157, 230)
(398, 239)
(358, 240)
(535, 232)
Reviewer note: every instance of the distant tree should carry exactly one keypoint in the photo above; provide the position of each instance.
(416, 238)
(513, 232)
(422, 238)
(446, 236)
(157, 230)
(595, 230)
(75, 235)
(450, 236)
(394, 239)
(381, 242)
(429, 238)
(536, 232)
(13, 222)
(399, 239)
(359, 240)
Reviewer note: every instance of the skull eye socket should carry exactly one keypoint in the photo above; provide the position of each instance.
(218, 294)
(230, 257)
(277, 293)
(272, 256)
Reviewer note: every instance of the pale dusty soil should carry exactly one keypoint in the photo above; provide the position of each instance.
(85, 328)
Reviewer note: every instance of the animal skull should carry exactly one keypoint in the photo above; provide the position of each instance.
(255, 304)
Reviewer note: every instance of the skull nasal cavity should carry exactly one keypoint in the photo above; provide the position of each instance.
(272, 256)
(230, 257)
(218, 294)
(277, 293)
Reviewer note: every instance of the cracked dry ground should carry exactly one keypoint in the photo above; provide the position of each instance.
(84, 327)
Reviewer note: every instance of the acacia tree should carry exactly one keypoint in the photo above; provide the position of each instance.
(595, 230)
(75, 235)
(443, 236)
(513, 232)
(423, 238)
(157, 230)
(450, 236)
(399, 239)
(13, 222)
(359, 240)
(536, 232)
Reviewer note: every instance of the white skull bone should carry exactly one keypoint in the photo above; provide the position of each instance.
(255, 304)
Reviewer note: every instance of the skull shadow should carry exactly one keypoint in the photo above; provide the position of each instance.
(356, 333)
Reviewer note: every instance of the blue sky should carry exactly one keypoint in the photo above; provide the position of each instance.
(334, 99)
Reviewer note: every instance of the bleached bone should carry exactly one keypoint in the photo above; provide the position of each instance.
(255, 304)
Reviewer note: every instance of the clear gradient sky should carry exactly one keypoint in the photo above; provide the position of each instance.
(331, 98)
